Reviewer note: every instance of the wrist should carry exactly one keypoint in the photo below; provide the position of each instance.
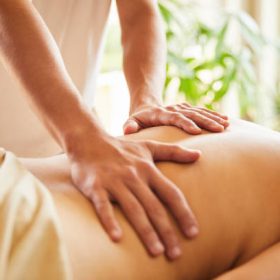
(142, 100)
(84, 138)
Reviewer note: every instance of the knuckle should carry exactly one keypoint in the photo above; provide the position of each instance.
(133, 209)
(146, 165)
(106, 218)
(89, 187)
(193, 114)
(147, 231)
(100, 203)
(156, 211)
(176, 149)
(174, 195)
(149, 165)
(209, 121)
(176, 117)
(149, 144)
(217, 118)
(130, 173)
(170, 108)
(168, 233)
(158, 110)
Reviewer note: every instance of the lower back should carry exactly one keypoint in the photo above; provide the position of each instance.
(233, 190)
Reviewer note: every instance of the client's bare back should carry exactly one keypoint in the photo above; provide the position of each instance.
(233, 190)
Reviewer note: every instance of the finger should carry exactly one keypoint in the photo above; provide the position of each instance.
(171, 195)
(161, 116)
(213, 112)
(201, 118)
(188, 106)
(139, 220)
(159, 218)
(203, 121)
(179, 120)
(131, 126)
(104, 210)
(212, 116)
(171, 152)
(171, 117)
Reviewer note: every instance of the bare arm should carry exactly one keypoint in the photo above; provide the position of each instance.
(32, 56)
(30, 53)
(265, 266)
(144, 47)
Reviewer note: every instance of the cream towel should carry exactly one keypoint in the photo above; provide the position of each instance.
(31, 247)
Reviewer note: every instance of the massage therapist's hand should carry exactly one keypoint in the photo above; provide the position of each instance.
(190, 119)
(124, 172)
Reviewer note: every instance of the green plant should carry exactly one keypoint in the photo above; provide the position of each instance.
(204, 62)
(276, 123)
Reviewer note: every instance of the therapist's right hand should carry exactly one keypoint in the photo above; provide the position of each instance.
(124, 172)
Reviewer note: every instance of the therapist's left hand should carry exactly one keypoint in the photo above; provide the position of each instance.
(189, 118)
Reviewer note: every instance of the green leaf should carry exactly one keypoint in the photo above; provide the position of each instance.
(225, 58)
(226, 82)
(221, 39)
(166, 14)
(189, 88)
(203, 29)
(182, 66)
(206, 65)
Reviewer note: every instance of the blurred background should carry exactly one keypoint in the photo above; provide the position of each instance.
(222, 54)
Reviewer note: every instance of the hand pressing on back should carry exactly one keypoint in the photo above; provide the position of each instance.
(190, 119)
(124, 172)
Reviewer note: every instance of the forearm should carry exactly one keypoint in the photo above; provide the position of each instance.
(30, 53)
(262, 267)
(144, 52)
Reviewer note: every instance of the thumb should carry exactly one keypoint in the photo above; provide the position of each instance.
(131, 126)
(171, 152)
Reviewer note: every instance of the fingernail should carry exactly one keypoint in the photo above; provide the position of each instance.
(194, 152)
(175, 253)
(191, 232)
(116, 234)
(131, 127)
(216, 126)
(157, 248)
(196, 129)
(133, 124)
(222, 121)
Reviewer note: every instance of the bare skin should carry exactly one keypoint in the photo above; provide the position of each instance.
(233, 190)
(32, 56)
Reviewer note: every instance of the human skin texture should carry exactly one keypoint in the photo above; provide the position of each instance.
(31, 55)
(234, 190)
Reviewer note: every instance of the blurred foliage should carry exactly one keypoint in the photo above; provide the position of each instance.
(206, 60)
(276, 123)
